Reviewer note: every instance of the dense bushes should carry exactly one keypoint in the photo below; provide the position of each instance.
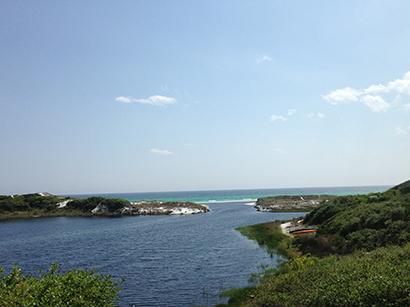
(114, 204)
(378, 278)
(74, 288)
(403, 188)
(373, 234)
(360, 222)
(85, 205)
(37, 205)
(28, 202)
(88, 204)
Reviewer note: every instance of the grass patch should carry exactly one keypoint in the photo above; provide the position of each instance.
(270, 236)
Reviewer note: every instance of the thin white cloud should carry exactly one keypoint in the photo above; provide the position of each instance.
(406, 107)
(373, 96)
(401, 86)
(156, 100)
(291, 112)
(316, 115)
(263, 59)
(124, 99)
(343, 95)
(162, 152)
(376, 89)
(278, 118)
(375, 103)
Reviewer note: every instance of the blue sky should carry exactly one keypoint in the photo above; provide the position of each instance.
(109, 96)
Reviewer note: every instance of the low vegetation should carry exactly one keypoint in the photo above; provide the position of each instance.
(377, 278)
(270, 236)
(53, 289)
(350, 223)
(47, 205)
(42, 205)
(28, 202)
(88, 204)
(360, 257)
(289, 203)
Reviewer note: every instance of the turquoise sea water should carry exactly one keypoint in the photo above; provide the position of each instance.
(238, 195)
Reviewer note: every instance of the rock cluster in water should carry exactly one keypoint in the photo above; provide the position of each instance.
(291, 203)
(154, 208)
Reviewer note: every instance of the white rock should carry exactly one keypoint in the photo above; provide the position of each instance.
(100, 209)
(63, 204)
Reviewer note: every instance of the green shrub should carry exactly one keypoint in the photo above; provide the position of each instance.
(74, 288)
(28, 202)
(378, 278)
(270, 236)
(350, 223)
(88, 204)
(114, 204)
(85, 205)
(372, 230)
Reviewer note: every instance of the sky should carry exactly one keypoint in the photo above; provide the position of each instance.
(133, 96)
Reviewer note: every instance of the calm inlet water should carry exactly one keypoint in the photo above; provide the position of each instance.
(164, 260)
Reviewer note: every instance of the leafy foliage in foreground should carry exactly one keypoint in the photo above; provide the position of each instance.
(351, 223)
(377, 278)
(74, 288)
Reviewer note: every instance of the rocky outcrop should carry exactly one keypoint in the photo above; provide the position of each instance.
(63, 204)
(148, 208)
(45, 204)
(101, 208)
(300, 203)
(163, 208)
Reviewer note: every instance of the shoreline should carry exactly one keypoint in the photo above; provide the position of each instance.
(26, 215)
(270, 236)
(40, 205)
(288, 203)
(352, 238)
(273, 237)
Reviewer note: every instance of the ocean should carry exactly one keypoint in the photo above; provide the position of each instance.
(245, 195)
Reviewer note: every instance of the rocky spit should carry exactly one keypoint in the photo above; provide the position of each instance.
(291, 203)
(155, 208)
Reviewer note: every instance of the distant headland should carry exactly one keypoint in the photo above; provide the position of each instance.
(47, 205)
(297, 203)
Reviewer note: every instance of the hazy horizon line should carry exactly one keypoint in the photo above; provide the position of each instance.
(229, 189)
